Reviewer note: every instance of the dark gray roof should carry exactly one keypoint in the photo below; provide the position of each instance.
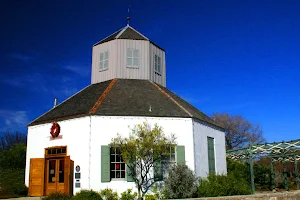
(126, 97)
(126, 33)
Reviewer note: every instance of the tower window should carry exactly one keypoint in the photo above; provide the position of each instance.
(103, 64)
(157, 64)
(133, 59)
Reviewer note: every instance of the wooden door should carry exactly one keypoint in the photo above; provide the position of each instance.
(61, 180)
(58, 175)
(36, 177)
(51, 176)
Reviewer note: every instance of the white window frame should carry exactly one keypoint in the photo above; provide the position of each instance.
(132, 58)
(116, 152)
(157, 64)
(103, 61)
(171, 159)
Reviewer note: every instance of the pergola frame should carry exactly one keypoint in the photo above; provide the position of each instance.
(277, 152)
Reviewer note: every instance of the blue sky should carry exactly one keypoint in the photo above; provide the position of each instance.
(239, 57)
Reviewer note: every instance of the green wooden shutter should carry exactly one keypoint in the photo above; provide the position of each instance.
(180, 153)
(105, 163)
(211, 155)
(158, 174)
(129, 178)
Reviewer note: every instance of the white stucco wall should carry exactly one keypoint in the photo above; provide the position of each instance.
(201, 132)
(84, 137)
(105, 128)
(75, 135)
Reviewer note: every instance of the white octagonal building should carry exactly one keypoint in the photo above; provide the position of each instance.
(128, 87)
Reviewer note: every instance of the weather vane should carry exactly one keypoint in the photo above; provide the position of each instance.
(128, 17)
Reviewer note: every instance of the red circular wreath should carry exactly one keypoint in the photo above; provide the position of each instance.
(55, 129)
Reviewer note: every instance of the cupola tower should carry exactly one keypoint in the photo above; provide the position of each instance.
(128, 54)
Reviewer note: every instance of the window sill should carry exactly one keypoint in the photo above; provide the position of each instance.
(102, 70)
(132, 67)
(118, 179)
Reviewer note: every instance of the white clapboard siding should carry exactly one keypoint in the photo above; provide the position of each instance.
(117, 55)
(100, 76)
(160, 79)
(133, 73)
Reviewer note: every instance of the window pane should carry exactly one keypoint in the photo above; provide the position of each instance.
(135, 53)
(123, 166)
(101, 57)
(172, 149)
(118, 158)
(53, 151)
(112, 150)
(172, 157)
(61, 171)
(129, 62)
(155, 58)
(112, 174)
(112, 158)
(106, 64)
(118, 151)
(106, 55)
(63, 150)
(49, 151)
(158, 60)
(158, 68)
(117, 165)
(58, 151)
(135, 62)
(101, 65)
(51, 172)
(155, 66)
(112, 166)
(118, 175)
(129, 52)
(122, 174)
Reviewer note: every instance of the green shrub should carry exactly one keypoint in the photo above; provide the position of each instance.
(262, 173)
(12, 182)
(151, 197)
(262, 176)
(87, 195)
(157, 192)
(222, 185)
(238, 169)
(58, 196)
(180, 183)
(109, 194)
(127, 195)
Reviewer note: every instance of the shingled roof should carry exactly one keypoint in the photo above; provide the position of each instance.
(124, 97)
(126, 33)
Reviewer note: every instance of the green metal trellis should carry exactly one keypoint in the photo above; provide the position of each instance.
(277, 152)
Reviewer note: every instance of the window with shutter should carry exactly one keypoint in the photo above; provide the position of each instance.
(117, 165)
(211, 155)
(177, 155)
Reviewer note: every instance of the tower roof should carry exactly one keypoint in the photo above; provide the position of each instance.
(124, 97)
(126, 33)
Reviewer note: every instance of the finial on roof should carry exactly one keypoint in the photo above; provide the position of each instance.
(128, 17)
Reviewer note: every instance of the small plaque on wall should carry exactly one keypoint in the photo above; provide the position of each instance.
(77, 185)
(77, 175)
